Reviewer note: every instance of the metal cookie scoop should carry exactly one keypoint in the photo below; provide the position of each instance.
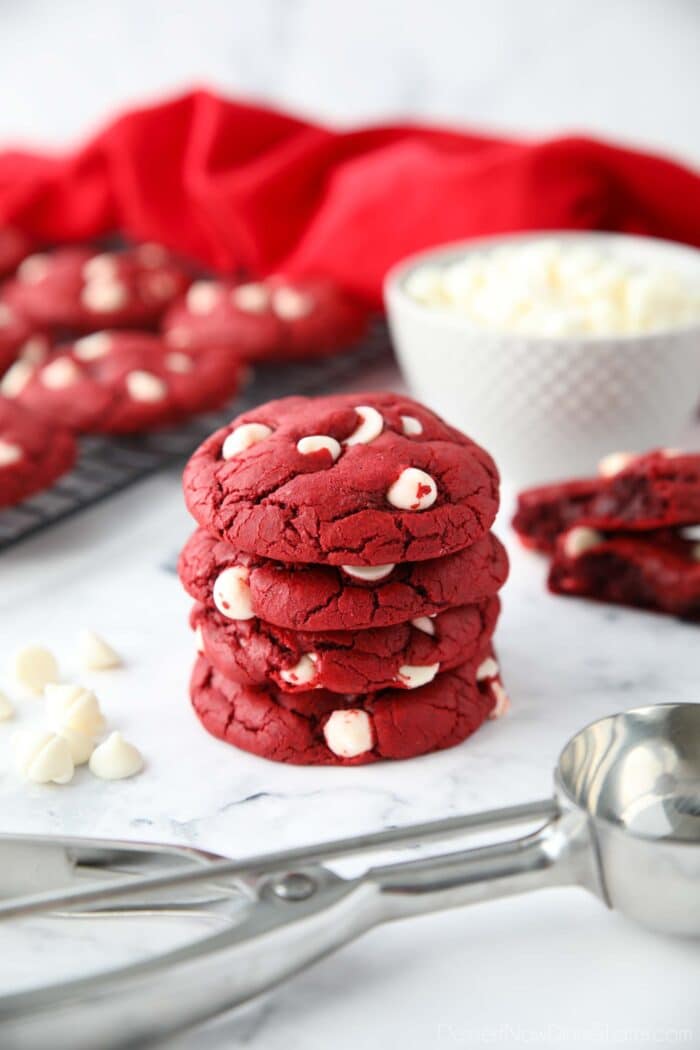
(624, 823)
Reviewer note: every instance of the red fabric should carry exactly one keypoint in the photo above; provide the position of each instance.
(237, 186)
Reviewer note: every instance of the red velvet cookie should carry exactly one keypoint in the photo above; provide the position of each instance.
(655, 570)
(326, 598)
(79, 290)
(14, 247)
(660, 489)
(119, 382)
(405, 656)
(33, 454)
(18, 338)
(274, 318)
(361, 479)
(323, 728)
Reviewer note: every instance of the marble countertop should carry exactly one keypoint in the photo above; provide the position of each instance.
(552, 969)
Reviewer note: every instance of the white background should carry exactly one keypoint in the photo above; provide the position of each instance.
(623, 68)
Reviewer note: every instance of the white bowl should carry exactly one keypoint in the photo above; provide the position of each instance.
(549, 407)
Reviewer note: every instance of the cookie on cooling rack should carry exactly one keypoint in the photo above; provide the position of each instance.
(122, 382)
(33, 453)
(76, 289)
(275, 318)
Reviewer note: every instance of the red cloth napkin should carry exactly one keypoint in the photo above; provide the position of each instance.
(238, 186)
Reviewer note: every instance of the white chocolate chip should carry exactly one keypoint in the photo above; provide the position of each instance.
(369, 573)
(202, 297)
(614, 463)
(370, 426)
(318, 442)
(81, 745)
(487, 669)
(243, 437)
(34, 268)
(103, 267)
(179, 362)
(413, 490)
(16, 378)
(348, 732)
(232, 594)
(672, 453)
(178, 336)
(73, 707)
(95, 654)
(581, 539)
(35, 667)
(413, 675)
(35, 350)
(43, 757)
(144, 386)
(424, 624)
(252, 298)
(104, 296)
(303, 672)
(9, 453)
(7, 708)
(411, 426)
(199, 639)
(502, 705)
(290, 304)
(116, 759)
(59, 374)
(92, 346)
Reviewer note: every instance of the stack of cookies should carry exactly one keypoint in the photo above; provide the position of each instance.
(345, 579)
(629, 536)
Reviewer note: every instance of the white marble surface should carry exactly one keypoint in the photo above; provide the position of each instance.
(552, 970)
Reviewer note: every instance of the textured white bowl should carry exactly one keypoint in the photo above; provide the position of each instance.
(549, 408)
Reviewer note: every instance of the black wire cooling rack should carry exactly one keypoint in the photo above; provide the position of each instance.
(106, 465)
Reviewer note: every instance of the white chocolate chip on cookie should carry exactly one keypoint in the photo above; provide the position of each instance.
(232, 594)
(16, 378)
(412, 676)
(144, 386)
(202, 297)
(90, 347)
(370, 426)
(424, 624)
(59, 374)
(252, 298)
(487, 669)
(318, 443)
(411, 426)
(615, 462)
(348, 732)
(581, 539)
(104, 296)
(243, 437)
(413, 490)
(179, 362)
(9, 453)
(303, 672)
(290, 304)
(369, 573)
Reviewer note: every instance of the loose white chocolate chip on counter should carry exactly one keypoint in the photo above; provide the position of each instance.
(35, 667)
(581, 539)
(369, 573)
(95, 654)
(73, 707)
(115, 759)
(7, 708)
(319, 443)
(348, 732)
(551, 287)
(81, 745)
(43, 757)
(243, 437)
